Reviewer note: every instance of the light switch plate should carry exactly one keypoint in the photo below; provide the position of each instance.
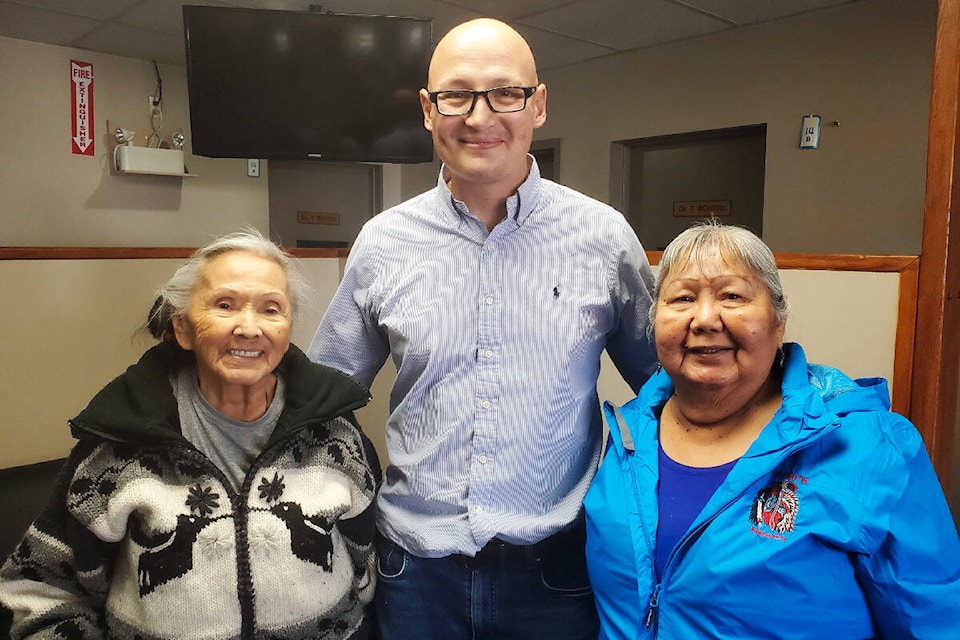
(810, 132)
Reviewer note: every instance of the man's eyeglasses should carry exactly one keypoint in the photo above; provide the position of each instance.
(460, 102)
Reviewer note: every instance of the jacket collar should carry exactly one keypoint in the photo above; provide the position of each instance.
(807, 392)
(138, 406)
(315, 392)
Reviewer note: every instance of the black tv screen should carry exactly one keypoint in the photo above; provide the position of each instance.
(291, 84)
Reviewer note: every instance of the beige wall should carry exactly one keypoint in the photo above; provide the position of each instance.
(866, 64)
(50, 197)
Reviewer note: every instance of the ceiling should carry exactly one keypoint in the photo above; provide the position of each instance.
(561, 32)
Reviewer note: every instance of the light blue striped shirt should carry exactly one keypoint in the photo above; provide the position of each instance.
(494, 426)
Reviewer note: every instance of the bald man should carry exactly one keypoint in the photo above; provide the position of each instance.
(494, 294)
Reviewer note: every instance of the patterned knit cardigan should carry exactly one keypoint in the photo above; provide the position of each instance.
(145, 538)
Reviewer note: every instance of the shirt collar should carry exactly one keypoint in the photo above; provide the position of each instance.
(519, 205)
(522, 203)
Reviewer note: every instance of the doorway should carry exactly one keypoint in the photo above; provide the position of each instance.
(547, 154)
(664, 184)
(322, 204)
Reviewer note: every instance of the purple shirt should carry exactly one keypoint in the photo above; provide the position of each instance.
(682, 493)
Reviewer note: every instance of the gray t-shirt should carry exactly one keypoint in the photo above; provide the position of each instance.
(232, 445)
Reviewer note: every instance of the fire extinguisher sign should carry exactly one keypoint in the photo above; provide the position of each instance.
(81, 102)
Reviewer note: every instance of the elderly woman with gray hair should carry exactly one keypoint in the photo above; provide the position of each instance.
(220, 488)
(747, 493)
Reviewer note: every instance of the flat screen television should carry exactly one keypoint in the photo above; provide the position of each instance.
(291, 84)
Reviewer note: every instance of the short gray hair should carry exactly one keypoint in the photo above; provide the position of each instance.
(737, 243)
(173, 298)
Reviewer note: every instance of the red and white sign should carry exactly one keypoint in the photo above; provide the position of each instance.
(81, 102)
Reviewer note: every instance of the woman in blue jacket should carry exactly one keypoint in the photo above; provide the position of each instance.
(749, 494)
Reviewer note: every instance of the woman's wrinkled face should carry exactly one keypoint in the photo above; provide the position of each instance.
(716, 325)
(239, 321)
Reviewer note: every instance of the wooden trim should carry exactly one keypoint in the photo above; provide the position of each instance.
(905, 338)
(134, 253)
(813, 261)
(92, 253)
(831, 261)
(845, 262)
(936, 364)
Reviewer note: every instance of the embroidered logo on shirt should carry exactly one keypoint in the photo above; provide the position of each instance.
(774, 510)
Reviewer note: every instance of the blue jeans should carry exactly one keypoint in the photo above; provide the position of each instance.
(539, 592)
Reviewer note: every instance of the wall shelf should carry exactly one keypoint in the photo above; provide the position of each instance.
(130, 172)
(126, 159)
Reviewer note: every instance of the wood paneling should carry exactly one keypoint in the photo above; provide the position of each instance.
(124, 253)
(936, 361)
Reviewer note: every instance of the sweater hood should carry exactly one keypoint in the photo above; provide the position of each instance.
(139, 407)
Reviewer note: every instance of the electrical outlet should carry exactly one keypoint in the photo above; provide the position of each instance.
(253, 167)
(155, 110)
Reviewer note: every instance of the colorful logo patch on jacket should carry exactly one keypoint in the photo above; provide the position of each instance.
(774, 510)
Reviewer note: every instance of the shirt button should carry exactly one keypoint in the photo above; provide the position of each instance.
(478, 510)
(483, 459)
(488, 300)
(488, 353)
(485, 404)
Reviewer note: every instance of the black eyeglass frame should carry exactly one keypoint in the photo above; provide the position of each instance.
(527, 92)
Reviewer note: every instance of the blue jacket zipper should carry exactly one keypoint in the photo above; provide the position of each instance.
(652, 610)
